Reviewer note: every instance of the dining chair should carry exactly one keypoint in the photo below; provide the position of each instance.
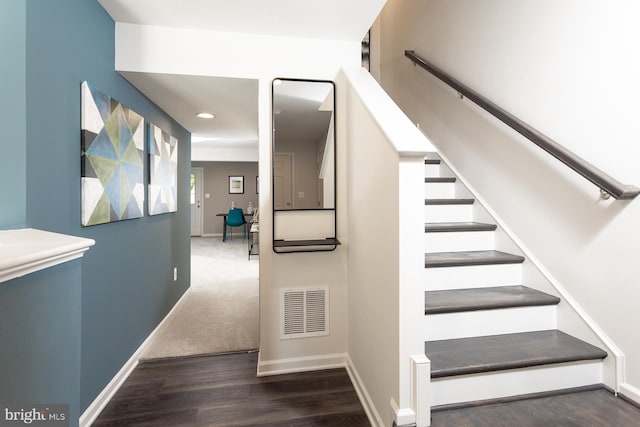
(235, 218)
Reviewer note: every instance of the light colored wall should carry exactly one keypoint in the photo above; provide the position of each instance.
(569, 69)
(216, 184)
(210, 153)
(373, 263)
(385, 223)
(140, 48)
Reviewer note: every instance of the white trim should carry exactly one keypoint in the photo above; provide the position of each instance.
(402, 417)
(300, 364)
(28, 250)
(363, 394)
(421, 390)
(405, 138)
(99, 403)
(514, 382)
(564, 294)
(209, 235)
(630, 392)
(199, 173)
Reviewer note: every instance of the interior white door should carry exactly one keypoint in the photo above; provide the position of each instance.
(197, 207)
(282, 181)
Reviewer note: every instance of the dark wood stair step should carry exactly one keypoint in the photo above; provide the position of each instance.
(440, 179)
(432, 161)
(468, 258)
(449, 201)
(476, 355)
(442, 227)
(460, 300)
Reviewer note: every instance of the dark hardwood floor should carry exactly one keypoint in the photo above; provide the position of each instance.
(224, 391)
(594, 408)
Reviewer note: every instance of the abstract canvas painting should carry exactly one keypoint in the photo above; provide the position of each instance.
(112, 168)
(163, 171)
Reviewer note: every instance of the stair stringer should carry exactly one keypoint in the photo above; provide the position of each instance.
(571, 317)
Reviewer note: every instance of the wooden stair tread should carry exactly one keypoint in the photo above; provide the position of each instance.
(449, 201)
(441, 227)
(467, 258)
(460, 300)
(440, 179)
(475, 355)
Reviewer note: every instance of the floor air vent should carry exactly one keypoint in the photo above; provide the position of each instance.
(304, 312)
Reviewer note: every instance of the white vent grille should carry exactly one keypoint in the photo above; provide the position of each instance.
(304, 313)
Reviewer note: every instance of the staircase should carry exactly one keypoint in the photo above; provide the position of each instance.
(488, 335)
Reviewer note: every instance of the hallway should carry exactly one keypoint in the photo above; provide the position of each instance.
(220, 312)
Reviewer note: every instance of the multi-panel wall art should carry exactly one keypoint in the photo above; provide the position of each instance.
(163, 171)
(112, 159)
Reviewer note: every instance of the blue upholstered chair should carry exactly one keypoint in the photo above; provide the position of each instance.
(235, 218)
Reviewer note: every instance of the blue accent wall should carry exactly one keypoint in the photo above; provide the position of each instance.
(13, 187)
(40, 336)
(110, 300)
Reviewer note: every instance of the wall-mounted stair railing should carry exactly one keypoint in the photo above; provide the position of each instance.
(609, 186)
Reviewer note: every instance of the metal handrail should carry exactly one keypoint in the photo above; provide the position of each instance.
(608, 185)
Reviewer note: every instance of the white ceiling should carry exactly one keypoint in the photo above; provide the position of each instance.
(322, 19)
(233, 101)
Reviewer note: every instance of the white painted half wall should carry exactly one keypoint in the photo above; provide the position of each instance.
(569, 69)
(385, 182)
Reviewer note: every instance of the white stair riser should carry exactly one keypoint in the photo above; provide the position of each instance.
(475, 276)
(431, 171)
(489, 322)
(439, 190)
(469, 388)
(448, 213)
(459, 241)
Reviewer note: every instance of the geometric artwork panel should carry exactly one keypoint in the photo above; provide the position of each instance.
(163, 171)
(112, 162)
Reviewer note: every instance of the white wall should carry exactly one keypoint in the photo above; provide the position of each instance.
(385, 249)
(205, 152)
(197, 52)
(569, 69)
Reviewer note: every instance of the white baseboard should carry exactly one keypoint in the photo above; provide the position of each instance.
(92, 412)
(402, 417)
(630, 392)
(300, 364)
(363, 395)
(209, 235)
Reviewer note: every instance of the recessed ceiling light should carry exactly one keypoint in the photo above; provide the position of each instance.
(205, 115)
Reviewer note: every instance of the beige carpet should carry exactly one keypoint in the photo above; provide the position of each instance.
(220, 314)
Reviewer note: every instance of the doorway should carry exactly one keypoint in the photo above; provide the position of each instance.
(220, 312)
(196, 201)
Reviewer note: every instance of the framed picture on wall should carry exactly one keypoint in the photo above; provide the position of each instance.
(112, 153)
(236, 185)
(163, 171)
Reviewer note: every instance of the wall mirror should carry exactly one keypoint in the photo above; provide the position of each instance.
(304, 165)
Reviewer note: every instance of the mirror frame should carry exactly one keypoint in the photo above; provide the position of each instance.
(330, 243)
